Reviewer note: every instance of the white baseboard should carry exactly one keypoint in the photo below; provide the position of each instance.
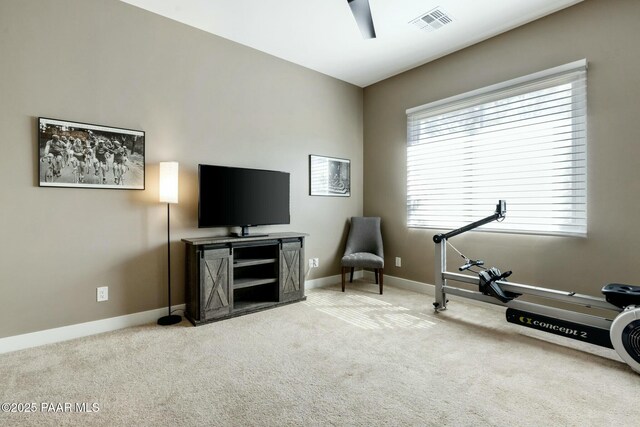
(330, 280)
(64, 333)
(410, 285)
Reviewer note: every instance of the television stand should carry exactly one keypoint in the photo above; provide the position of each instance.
(232, 276)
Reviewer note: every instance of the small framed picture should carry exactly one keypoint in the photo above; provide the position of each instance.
(81, 155)
(329, 176)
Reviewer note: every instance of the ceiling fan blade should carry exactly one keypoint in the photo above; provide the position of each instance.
(362, 12)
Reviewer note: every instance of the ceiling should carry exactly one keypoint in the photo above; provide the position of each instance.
(322, 34)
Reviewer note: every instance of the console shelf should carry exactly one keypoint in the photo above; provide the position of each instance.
(231, 276)
(238, 263)
(249, 282)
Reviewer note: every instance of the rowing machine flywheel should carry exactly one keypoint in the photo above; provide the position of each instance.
(625, 336)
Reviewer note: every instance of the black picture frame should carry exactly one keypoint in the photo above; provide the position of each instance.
(83, 155)
(329, 176)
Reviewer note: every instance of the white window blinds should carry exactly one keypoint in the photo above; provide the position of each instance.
(523, 141)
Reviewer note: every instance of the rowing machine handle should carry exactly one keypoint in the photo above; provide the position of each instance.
(471, 263)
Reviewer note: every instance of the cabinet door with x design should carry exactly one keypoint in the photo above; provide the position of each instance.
(216, 274)
(291, 271)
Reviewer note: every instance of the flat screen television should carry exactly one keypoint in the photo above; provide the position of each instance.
(239, 197)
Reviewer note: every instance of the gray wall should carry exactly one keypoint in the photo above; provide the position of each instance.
(604, 32)
(200, 99)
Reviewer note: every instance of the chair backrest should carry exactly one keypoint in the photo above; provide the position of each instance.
(365, 236)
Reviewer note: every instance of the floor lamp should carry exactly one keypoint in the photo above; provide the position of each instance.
(169, 194)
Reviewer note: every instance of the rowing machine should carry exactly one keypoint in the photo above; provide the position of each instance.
(621, 333)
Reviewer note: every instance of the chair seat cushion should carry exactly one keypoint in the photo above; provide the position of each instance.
(362, 259)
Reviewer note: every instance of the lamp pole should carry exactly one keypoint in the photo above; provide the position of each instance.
(169, 194)
(169, 255)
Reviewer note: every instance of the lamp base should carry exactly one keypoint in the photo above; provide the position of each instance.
(169, 320)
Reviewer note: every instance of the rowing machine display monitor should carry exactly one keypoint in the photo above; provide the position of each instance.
(501, 208)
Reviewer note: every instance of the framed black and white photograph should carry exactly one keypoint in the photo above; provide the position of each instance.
(72, 154)
(329, 176)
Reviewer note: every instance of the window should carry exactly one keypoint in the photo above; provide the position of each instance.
(523, 141)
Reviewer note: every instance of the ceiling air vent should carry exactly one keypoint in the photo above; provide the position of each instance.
(432, 20)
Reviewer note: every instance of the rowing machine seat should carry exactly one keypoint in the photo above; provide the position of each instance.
(488, 284)
(622, 295)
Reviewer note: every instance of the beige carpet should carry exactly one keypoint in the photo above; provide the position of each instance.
(356, 358)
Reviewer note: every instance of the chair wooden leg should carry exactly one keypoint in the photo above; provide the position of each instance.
(380, 272)
(351, 276)
(375, 273)
(344, 271)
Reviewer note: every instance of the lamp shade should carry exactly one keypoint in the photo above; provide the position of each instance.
(169, 182)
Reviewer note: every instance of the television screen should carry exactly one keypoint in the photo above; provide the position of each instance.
(230, 197)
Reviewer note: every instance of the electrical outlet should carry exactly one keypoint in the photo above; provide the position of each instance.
(102, 293)
(310, 262)
(398, 261)
(316, 262)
